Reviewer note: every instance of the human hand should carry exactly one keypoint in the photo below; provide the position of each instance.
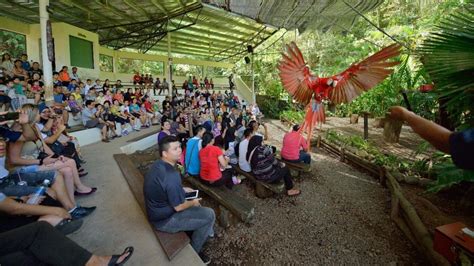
(397, 112)
(61, 212)
(49, 160)
(188, 189)
(196, 202)
(26, 198)
(23, 117)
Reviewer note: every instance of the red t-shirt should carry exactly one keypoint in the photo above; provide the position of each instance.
(209, 163)
(148, 106)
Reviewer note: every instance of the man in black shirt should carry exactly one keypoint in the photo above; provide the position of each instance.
(165, 201)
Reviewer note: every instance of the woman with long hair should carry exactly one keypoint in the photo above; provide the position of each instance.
(266, 167)
(36, 155)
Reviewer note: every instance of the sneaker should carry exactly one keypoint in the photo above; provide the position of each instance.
(205, 259)
(81, 212)
(68, 226)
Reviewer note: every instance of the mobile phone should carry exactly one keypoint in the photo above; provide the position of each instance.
(191, 195)
(9, 116)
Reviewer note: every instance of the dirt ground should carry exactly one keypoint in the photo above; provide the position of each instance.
(341, 217)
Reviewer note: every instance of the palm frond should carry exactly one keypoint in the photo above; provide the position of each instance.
(448, 56)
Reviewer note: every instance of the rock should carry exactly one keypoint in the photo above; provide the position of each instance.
(411, 179)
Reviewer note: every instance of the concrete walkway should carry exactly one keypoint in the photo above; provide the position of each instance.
(118, 221)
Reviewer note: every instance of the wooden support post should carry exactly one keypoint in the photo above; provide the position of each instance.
(391, 130)
(342, 159)
(224, 217)
(366, 125)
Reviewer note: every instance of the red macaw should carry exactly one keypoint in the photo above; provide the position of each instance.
(310, 90)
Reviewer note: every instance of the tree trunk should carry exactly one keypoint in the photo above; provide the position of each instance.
(391, 130)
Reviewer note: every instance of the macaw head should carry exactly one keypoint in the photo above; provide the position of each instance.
(306, 71)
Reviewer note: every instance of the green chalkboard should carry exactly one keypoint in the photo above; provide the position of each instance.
(82, 52)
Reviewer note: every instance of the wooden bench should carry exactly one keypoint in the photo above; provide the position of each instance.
(295, 168)
(228, 201)
(172, 244)
(262, 189)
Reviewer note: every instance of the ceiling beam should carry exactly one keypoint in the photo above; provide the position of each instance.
(198, 32)
(16, 17)
(175, 37)
(220, 26)
(189, 48)
(191, 35)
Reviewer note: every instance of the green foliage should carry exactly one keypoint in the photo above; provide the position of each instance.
(448, 175)
(106, 63)
(130, 66)
(187, 70)
(12, 43)
(293, 116)
(448, 56)
(272, 106)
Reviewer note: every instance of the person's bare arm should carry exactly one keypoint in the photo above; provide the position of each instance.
(224, 161)
(14, 150)
(435, 134)
(187, 204)
(265, 134)
(47, 127)
(12, 207)
(51, 139)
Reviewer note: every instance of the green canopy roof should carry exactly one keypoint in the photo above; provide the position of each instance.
(207, 29)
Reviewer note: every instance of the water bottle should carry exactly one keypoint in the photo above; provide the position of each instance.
(36, 197)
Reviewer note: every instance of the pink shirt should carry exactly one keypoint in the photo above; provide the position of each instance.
(292, 142)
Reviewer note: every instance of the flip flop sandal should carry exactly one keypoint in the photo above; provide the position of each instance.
(294, 195)
(115, 258)
(81, 174)
(94, 189)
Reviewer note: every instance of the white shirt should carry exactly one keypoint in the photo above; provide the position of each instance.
(40, 128)
(243, 163)
(87, 87)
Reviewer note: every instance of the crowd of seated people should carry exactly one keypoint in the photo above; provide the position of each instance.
(204, 134)
(41, 167)
(39, 184)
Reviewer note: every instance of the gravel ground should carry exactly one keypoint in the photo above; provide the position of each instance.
(341, 217)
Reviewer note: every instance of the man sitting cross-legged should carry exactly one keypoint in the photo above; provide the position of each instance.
(166, 206)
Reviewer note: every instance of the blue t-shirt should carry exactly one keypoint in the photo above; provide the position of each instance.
(8, 134)
(163, 191)
(71, 87)
(58, 98)
(462, 149)
(25, 65)
(192, 162)
(134, 108)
